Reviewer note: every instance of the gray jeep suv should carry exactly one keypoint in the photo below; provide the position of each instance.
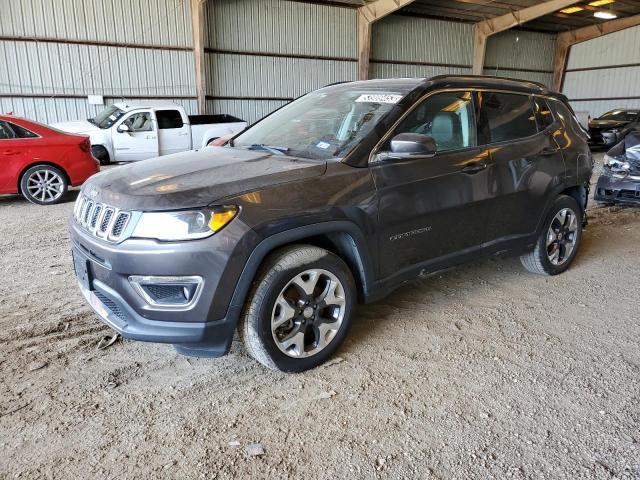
(336, 198)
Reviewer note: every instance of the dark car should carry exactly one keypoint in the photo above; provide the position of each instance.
(336, 198)
(608, 129)
(620, 179)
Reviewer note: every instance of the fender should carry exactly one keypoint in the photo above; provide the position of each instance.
(553, 194)
(348, 237)
(103, 139)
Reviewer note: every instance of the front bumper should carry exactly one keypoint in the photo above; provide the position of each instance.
(205, 328)
(612, 189)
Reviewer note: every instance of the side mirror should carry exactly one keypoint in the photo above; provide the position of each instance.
(406, 145)
(124, 128)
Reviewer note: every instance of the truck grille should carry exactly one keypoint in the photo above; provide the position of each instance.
(101, 220)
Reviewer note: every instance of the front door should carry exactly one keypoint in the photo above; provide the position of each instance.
(433, 208)
(140, 141)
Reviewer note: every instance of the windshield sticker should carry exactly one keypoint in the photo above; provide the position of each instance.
(323, 145)
(378, 98)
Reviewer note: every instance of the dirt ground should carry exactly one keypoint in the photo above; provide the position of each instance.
(481, 372)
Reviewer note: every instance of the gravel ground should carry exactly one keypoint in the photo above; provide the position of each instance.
(481, 372)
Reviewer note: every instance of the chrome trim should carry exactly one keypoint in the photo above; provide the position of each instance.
(137, 281)
(99, 219)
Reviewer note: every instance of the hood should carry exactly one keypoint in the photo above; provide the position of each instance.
(77, 126)
(196, 178)
(603, 124)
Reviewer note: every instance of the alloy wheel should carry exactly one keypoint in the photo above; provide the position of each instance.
(308, 313)
(562, 236)
(45, 185)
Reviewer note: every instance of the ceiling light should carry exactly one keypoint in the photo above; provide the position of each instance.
(572, 9)
(605, 15)
(599, 3)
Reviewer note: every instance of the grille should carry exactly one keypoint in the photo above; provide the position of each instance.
(166, 293)
(101, 220)
(111, 305)
(120, 223)
(629, 194)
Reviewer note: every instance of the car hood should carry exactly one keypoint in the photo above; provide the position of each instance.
(195, 178)
(602, 124)
(77, 126)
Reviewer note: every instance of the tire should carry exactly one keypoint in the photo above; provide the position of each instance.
(101, 153)
(555, 257)
(278, 288)
(44, 184)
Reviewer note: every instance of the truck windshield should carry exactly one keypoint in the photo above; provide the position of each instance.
(107, 117)
(324, 124)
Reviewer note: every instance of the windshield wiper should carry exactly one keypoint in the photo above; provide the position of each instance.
(269, 148)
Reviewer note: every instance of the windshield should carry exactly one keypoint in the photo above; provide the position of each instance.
(324, 124)
(107, 117)
(619, 116)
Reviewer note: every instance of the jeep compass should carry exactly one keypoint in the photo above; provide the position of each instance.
(334, 199)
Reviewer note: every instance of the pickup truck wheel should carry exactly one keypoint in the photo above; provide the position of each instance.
(43, 184)
(101, 154)
(299, 310)
(559, 241)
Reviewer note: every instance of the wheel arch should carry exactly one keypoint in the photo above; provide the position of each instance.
(343, 238)
(42, 162)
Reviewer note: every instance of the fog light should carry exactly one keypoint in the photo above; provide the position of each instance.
(168, 292)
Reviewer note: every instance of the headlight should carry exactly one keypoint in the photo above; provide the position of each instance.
(616, 164)
(183, 225)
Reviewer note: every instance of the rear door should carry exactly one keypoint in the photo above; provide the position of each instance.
(432, 208)
(140, 142)
(173, 133)
(526, 162)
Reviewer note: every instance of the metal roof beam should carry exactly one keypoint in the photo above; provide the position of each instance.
(197, 28)
(565, 40)
(367, 15)
(483, 30)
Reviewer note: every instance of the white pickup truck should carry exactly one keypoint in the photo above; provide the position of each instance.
(126, 133)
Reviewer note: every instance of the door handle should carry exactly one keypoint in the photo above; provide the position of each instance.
(549, 151)
(151, 137)
(10, 152)
(474, 167)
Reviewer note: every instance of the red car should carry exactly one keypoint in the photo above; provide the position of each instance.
(41, 162)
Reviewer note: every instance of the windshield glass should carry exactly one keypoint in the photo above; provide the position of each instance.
(619, 115)
(324, 124)
(107, 117)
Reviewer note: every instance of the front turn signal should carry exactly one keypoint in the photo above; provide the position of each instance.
(220, 217)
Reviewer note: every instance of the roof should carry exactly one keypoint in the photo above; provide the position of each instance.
(473, 11)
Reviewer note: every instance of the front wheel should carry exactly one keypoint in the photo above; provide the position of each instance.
(43, 184)
(559, 240)
(299, 310)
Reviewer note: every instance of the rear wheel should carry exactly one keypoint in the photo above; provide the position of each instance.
(101, 154)
(43, 184)
(559, 241)
(299, 310)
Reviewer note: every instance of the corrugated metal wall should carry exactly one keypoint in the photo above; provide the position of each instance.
(275, 50)
(404, 46)
(602, 74)
(56, 52)
(521, 54)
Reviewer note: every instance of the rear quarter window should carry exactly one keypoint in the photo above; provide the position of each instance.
(169, 119)
(22, 132)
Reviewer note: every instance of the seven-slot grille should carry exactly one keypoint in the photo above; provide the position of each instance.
(101, 220)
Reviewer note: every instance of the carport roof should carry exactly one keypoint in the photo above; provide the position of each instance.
(472, 11)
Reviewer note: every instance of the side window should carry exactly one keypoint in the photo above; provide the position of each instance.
(446, 117)
(22, 132)
(544, 117)
(169, 119)
(139, 122)
(5, 132)
(506, 116)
